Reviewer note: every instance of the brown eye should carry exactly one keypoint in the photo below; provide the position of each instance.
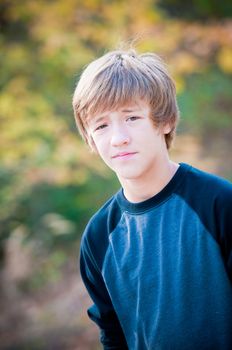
(133, 118)
(102, 126)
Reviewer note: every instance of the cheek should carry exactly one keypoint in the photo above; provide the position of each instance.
(95, 142)
(100, 147)
(92, 144)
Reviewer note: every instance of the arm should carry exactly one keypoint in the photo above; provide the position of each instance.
(102, 312)
(224, 225)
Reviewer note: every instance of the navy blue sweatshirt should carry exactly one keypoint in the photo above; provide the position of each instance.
(159, 272)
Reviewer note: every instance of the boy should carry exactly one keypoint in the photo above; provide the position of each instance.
(156, 259)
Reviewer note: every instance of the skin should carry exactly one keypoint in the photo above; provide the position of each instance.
(130, 144)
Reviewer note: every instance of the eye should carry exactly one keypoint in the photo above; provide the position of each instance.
(132, 118)
(100, 127)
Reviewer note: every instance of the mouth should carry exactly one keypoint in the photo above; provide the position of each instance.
(124, 155)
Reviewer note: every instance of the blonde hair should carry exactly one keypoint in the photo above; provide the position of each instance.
(120, 77)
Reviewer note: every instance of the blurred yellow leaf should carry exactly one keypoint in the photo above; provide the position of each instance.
(185, 63)
(225, 59)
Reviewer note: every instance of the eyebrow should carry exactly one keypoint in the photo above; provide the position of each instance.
(97, 120)
(129, 110)
(102, 117)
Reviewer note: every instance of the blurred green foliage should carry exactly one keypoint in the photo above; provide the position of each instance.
(197, 9)
(212, 114)
(50, 182)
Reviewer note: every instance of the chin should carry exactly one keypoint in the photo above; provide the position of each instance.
(127, 176)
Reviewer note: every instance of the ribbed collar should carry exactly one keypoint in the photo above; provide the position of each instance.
(161, 196)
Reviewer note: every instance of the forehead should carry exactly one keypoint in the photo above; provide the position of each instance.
(129, 107)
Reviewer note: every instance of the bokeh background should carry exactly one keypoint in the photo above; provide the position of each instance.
(50, 184)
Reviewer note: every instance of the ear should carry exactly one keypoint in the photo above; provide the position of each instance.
(166, 128)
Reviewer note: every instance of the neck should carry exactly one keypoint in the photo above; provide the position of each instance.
(139, 190)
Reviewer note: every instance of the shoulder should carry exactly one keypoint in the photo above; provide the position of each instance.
(208, 185)
(209, 196)
(105, 218)
(95, 238)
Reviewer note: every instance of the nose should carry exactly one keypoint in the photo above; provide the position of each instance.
(119, 137)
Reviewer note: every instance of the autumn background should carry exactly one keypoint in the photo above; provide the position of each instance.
(50, 184)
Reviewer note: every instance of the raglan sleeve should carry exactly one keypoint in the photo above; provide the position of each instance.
(224, 224)
(102, 312)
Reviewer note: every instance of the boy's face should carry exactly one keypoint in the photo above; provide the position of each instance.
(128, 142)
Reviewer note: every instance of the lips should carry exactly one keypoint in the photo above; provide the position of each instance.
(124, 155)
